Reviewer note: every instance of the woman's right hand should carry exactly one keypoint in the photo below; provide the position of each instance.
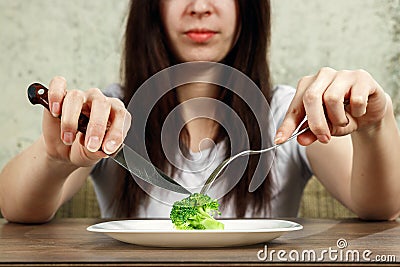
(107, 128)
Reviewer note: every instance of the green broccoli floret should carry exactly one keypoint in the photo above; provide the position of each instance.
(196, 213)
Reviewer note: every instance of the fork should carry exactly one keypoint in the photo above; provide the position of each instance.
(218, 170)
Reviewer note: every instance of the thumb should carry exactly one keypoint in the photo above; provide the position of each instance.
(293, 118)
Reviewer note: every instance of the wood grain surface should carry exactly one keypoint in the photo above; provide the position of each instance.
(65, 242)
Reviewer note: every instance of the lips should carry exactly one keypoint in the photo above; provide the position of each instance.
(200, 35)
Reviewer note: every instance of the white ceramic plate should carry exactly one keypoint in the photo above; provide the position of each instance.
(160, 233)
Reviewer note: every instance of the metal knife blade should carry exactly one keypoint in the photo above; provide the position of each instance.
(146, 171)
(137, 165)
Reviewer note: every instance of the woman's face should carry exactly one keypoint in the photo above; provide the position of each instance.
(200, 30)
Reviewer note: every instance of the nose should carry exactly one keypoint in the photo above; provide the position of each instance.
(200, 8)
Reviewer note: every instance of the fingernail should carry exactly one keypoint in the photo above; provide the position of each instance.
(323, 138)
(68, 138)
(55, 109)
(93, 144)
(110, 147)
(127, 124)
(278, 137)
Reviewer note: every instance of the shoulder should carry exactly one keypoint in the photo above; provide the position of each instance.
(113, 90)
(291, 157)
(282, 96)
(283, 92)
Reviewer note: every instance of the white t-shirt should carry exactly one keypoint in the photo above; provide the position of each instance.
(290, 170)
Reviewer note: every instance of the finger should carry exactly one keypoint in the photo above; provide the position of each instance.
(291, 121)
(56, 93)
(360, 92)
(121, 121)
(334, 98)
(98, 121)
(51, 128)
(358, 101)
(295, 114)
(306, 138)
(344, 130)
(312, 100)
(71, 109)
(88, 154)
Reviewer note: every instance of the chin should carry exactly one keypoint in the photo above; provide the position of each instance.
(201, 58)
(202, 54)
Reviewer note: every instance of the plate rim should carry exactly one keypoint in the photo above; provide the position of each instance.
(294, 226)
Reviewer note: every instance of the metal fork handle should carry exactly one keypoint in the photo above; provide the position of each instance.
(218, 170)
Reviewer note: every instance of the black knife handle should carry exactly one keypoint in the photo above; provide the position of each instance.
(38, 94)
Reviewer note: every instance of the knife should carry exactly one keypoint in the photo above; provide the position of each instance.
(141, 168)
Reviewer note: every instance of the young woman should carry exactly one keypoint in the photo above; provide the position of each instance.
(353, 149)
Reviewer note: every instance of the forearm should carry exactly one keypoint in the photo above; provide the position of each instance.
(31, 185)
(375, 183)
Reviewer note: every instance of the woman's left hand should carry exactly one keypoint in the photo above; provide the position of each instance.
(336, 103)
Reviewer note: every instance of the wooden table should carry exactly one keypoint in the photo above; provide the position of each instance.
(65, 242)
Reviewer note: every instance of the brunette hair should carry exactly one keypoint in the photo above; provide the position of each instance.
(146, 52)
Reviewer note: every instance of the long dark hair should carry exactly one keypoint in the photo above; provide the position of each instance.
(146, 52)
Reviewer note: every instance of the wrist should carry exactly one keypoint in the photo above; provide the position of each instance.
(378, 137)
(59, 166)
(53, 164)
(379, 126)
